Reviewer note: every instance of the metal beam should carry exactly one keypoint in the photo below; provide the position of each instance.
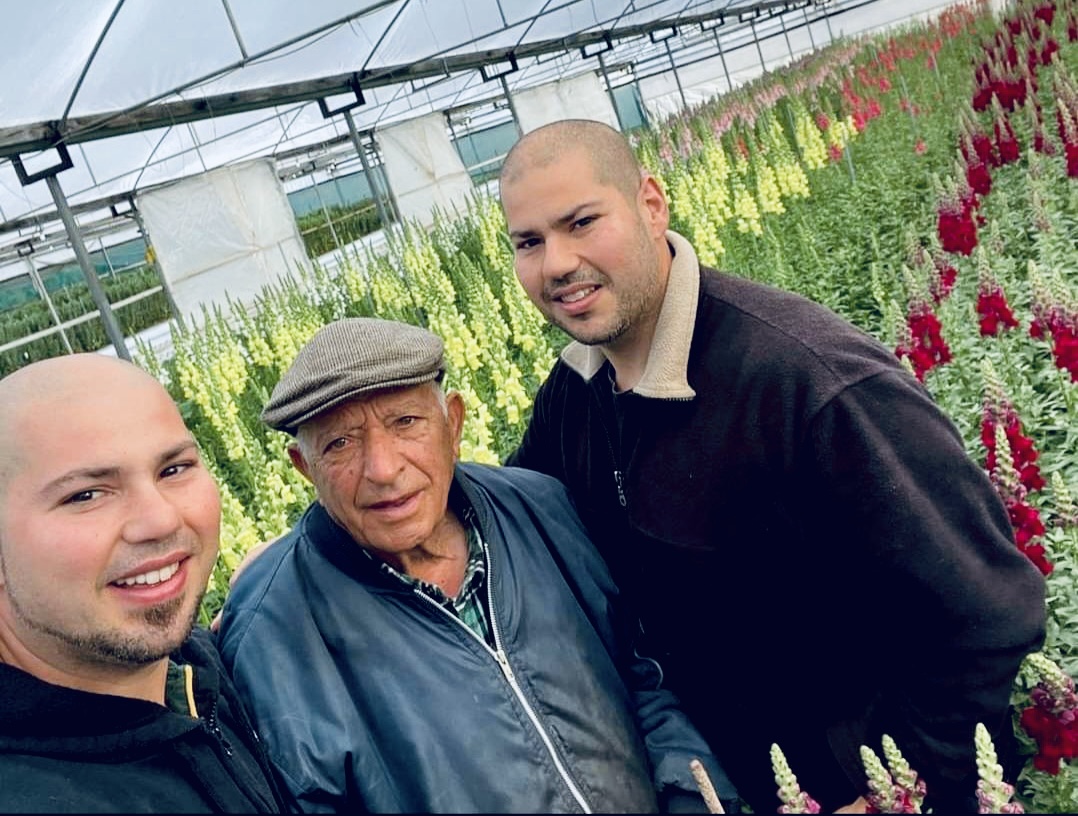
(43, 135)
(108, 319)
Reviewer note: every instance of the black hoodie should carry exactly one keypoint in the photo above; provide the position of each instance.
(67, 751)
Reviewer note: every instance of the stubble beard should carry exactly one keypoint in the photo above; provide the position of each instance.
(631, 306)
(115, 648)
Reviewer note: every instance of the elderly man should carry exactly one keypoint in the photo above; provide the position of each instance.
(434, 636)
(108, 532)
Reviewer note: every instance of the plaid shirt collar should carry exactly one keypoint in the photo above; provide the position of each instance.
(468, 605)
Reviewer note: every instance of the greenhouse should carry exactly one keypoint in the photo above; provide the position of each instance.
(202, 187)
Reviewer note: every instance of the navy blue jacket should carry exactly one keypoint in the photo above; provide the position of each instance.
(371, 696)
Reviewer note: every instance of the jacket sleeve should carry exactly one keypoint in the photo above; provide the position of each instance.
(940, 605)
(672, 742)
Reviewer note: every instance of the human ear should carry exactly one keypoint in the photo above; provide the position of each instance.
(654, 208)
(299, 462)
(454, 406)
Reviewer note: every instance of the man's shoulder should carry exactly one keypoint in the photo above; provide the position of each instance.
(272, 566)
(747, 322)
(778, 309)
(266, 592)
(528, 485)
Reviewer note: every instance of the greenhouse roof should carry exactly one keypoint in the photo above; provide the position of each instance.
(143, 92)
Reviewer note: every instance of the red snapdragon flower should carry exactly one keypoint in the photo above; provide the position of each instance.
(1045, 12)
(978, 148)
(1070, 151)
(957, 229)
(995, 313)
(978, 177)
(928, 349)
(1024, 453)
(1065, 350)
(1053, 723)
(1027, 523)
(943, 281)
(1007, 147)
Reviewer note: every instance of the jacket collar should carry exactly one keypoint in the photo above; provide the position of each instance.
(666, 371)
(37, 716)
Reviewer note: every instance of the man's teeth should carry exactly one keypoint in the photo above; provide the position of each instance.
(152, 577)
(580, 294)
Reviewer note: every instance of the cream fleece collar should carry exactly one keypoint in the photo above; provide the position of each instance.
(666, 371)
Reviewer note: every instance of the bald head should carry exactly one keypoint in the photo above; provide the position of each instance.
(52, 387)
(607, 151)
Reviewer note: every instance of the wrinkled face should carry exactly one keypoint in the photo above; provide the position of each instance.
(383, 464)
(109, 528)
(585, 254)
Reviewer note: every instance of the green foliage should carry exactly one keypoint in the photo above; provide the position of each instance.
(73, 301)
(349, 223)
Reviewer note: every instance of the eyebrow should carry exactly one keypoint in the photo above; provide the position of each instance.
(561, 221)
(109, 472)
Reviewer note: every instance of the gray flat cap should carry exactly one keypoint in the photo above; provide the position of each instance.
(347, 359)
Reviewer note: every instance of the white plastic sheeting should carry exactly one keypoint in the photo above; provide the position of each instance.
(89, 62)
(225, 233)
(423, 167)
(73, 67)
(579, 97)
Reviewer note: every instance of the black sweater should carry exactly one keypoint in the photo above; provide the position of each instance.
(813, 554)
(69, 751)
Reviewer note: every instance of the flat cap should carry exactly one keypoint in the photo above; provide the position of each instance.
(350, 358)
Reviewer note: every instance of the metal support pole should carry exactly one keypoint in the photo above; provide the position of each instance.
(830, 33)
(337, 189)
(105, 255)
(325, 212)
(808, 27)
(166, 287)
(372, 182)
(39, 285)
(391, 196)
(786, 34)
(722, 56)
(512, 105)
(677, 78)
(452, 128)
(610, 92)
(108, 319)
(756, 42)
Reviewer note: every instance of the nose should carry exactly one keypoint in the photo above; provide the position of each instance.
(382, 462)
(152, 516)
(559, 257)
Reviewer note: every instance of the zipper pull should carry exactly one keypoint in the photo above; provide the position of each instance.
(620, 486)
(214, 728)
(503, 661)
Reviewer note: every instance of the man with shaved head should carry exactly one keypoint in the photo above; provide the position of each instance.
(815, 560)
(109, 527)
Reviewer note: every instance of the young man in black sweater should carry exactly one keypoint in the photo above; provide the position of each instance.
(815, 560)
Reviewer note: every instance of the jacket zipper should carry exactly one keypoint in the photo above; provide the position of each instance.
(507, 671)
(619, 475)
(215, 728)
